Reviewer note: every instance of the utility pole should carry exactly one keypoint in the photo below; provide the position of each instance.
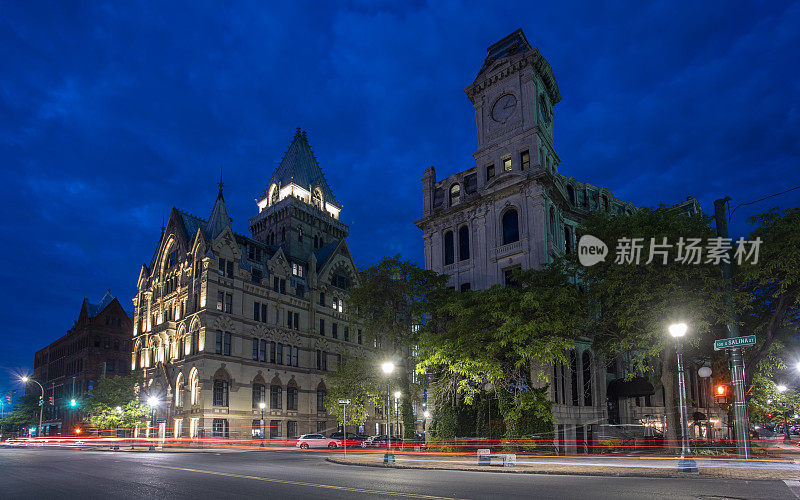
(741, 426)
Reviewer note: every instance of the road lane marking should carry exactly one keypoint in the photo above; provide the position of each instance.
(794, 486)
(301, 483)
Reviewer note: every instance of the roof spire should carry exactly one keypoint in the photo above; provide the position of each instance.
(162, 225)
(220, 183)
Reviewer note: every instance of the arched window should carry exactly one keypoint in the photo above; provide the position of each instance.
(283, 234)
(510, 227)
(449, 253)
(259, 394)
(194, 388)
(463, 243)
(179, 390)
(220, 393)
(455, 194)
(587, 378)
(571, 194)
(292, 398)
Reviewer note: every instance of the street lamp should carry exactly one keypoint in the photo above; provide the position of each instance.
(262, 405)
(25, 380)
(786, 436)
(685, 464)
(705, 372)
(388, 367)
(152, 402)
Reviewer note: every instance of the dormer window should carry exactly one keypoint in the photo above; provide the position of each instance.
(455, 194)
(316, 198)
(273, 194)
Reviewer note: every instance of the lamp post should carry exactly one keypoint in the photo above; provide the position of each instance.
(262, 405)
(27, 379)
(685, 464)
(488, 387)
(786, 437)
(388, 368)
(705, 372)
(152, 402)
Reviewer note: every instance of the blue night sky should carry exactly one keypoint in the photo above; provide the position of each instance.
(110, 114)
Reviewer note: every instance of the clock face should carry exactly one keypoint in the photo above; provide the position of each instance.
(504, 108)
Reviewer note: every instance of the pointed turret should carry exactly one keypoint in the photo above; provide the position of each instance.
(219, 219)
(300, 167)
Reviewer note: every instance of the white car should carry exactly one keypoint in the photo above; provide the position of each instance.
(307, 441)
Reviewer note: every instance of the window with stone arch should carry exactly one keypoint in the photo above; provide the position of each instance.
(449, 250)
(194, 388)
(510, 224)
(571, 195)
(463, 243)
(179, 390)
(455, 194)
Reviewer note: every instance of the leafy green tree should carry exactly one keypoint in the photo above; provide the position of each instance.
(503, 336)
(390, 301)
(356, 379)
(635, 304)
(25, 414)
(772, 285)
(114, 404)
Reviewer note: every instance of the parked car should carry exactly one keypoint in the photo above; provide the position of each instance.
(307, 441)
(352, 439)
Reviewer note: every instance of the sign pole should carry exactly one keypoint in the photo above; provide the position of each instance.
(735, 353)
(344, 429)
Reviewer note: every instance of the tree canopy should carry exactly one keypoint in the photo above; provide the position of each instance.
(114, 404)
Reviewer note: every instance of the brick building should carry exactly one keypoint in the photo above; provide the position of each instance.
(97, 344)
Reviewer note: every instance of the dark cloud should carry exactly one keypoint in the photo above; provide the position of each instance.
(111, 113)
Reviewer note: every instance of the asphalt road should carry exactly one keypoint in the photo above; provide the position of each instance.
(70, 473)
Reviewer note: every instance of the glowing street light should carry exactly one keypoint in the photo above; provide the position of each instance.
(426, 414)
(388, 367)
(685, 464)
(152, 401)
(782, 388)
(397, 394)
(262, 405)
(25, 379)
(678, 329)
(118, 409)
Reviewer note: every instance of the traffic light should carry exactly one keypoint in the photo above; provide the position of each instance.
(73, 403)
(769, 415)
(8, 399)
(721, 394)
(50, 399)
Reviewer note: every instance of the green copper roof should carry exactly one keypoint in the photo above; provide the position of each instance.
(299, 166)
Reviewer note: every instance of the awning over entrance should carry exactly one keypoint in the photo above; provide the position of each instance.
(633, 388)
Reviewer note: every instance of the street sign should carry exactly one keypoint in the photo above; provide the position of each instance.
(161, 420)
(343, 401)
(734, 342)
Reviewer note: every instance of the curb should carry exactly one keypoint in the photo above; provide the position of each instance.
(549, 473)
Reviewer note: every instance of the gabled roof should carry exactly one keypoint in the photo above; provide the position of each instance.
(93, 310)
(324, 253)
(514, 43)
(191, 224)
(299, 166)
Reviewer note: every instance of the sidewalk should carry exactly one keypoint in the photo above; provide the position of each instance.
(759, 469)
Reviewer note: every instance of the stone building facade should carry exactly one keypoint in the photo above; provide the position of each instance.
(224, 322)
(514, 210)
(97, 345)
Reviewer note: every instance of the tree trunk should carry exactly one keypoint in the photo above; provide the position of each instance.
(670, 408)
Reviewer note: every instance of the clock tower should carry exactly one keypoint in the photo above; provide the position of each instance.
(513, 96)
